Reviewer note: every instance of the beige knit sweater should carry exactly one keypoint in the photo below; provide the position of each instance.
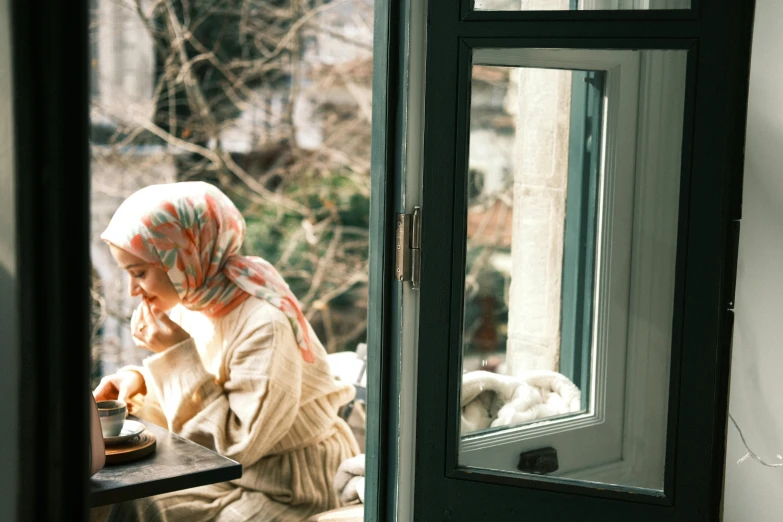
(241, 388)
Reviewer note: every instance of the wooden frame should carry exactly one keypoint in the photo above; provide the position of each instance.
(391, 351)
(50, 76)
(382, 377)
(717, 37)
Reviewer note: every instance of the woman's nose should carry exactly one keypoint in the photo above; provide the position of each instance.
(133, 288)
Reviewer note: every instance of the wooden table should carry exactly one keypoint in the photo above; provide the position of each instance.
(176, 464)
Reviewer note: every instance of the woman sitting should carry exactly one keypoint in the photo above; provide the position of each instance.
(236, 366)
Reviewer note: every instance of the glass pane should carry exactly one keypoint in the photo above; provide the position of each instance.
(563, 303)
(578, 5)
(525, 157)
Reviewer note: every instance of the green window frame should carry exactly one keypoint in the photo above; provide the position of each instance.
(584, 160)
(716, 37)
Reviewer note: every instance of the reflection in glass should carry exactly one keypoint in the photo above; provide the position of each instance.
(572, 199)
(534, 150)
(578, 5)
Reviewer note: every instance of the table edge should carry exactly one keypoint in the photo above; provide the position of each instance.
(156, 487)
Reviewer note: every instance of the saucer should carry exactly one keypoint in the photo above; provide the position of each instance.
(143, 445)
(130, 429)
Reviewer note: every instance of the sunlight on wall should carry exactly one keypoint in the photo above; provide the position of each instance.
(752, 491)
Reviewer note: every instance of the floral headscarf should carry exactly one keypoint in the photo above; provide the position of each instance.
(194, 232)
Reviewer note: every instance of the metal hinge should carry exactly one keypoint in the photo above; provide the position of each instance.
(407, 266)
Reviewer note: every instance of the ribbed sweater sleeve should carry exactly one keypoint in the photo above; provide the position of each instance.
(252, 410)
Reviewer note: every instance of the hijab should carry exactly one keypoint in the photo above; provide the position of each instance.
(194, 232)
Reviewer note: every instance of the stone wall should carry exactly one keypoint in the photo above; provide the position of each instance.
(539, 192)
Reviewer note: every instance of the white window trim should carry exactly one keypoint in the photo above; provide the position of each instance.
(661, 113)
(593, 5)
(595, 437)
(635, 294)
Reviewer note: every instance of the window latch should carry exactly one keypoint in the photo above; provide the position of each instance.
(539, 461)
(407, 266)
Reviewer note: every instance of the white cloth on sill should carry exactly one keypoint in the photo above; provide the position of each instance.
(490, 400)
(349, 481)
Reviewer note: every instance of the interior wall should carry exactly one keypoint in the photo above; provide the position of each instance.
(754, 492)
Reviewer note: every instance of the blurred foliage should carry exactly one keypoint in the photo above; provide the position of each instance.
(486, 307)
(228, 44)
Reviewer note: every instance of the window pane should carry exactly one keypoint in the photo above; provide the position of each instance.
(534, 150)
(578, 5)
(572, 196)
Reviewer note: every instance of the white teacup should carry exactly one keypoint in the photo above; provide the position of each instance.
(112, 415)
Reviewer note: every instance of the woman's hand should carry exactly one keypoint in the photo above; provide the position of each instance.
(121, 386)
(156, 331)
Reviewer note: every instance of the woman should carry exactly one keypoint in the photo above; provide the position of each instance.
(236, 366)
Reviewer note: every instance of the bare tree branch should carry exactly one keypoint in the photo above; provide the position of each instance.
(231, 118)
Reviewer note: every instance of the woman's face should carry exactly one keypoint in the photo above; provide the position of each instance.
(147, 280)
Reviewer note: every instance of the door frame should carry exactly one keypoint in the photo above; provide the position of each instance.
(384, 314)
(50, 85)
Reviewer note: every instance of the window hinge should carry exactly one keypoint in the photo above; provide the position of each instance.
(407, 266)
